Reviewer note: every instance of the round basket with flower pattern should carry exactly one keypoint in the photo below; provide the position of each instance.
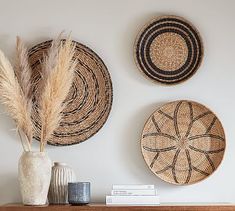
(183, 142)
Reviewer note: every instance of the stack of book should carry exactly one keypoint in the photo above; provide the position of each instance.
(133, 195)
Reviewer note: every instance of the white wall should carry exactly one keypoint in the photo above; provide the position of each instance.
(109, 27)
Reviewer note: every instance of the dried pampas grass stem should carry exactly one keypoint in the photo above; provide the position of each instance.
(57, 74)
(23, 73)
(56, 85)
(13, 98)
(50, 60)
(23, 70)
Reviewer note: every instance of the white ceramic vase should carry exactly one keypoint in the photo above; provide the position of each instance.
(34, 176)
(61, 175)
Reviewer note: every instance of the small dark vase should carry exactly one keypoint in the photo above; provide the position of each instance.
(79, 193)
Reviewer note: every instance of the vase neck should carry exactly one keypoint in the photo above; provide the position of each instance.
(34, 153)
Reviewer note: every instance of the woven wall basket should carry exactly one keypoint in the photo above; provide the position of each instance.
(168, 50)
(89, 100)
(183, 142)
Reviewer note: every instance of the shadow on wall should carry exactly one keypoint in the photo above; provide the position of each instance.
(9, 188)
(134, 161)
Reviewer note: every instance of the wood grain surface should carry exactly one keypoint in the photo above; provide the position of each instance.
(102, 207)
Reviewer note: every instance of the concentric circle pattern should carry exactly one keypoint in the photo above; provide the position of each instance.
(183, 142)
(89, 100)
(168, 50)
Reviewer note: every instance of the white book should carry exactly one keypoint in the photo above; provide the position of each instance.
(144, 192)
(133, 187)
(132, 200)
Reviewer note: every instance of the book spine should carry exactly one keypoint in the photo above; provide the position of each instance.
(133, 187)
(134, 192)
(132, 200)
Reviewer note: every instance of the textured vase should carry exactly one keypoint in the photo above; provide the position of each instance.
(62, 174)
(79, 193)
(34, 172)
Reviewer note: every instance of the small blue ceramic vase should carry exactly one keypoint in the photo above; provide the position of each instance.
(79, 193)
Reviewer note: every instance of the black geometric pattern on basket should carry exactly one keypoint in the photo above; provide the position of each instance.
(193, 119)
(164, 26)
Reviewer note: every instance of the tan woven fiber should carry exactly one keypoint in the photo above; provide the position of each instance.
(89, 100)
(183, 142)
(168, 50)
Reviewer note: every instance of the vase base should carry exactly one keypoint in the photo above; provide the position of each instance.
(79, 204)
(35, 205)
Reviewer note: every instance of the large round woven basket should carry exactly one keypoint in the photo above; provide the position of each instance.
(88, 102)
(168, 50)
(183, 142)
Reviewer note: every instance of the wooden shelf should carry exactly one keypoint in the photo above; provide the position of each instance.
(102, 207)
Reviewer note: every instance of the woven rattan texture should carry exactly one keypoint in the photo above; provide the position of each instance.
(89, 100)
(183, 142)
(168, 50)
